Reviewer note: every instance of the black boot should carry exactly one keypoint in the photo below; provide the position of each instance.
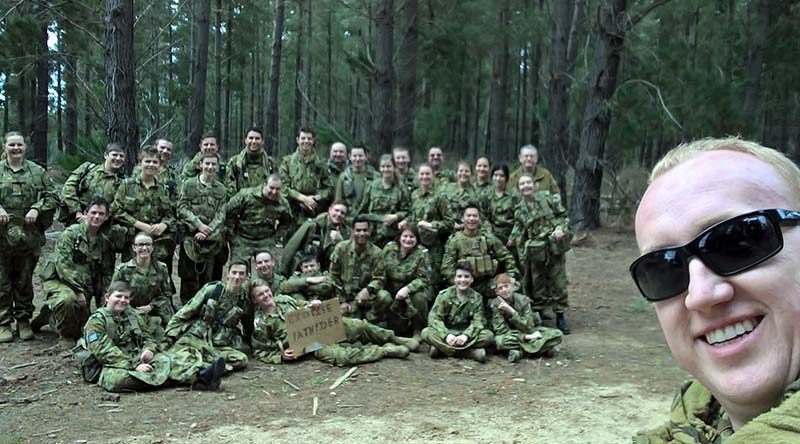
(42, 319)
(211, 376)
(561, 323)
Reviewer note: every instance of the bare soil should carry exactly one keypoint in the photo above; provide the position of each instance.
(613, 376)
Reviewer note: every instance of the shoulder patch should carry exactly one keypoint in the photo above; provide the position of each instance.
(94, 336)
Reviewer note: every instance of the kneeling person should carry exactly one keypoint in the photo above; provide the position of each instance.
(271, 344)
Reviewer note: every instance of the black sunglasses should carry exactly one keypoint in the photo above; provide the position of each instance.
(728, 247)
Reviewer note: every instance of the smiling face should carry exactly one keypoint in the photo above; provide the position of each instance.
(272, 189)
(408, 240)
(262, 296)
(164, 148)
(500, 180)
(309, 267)
(264, 264)
(117, 302)
(401, 159)
(463, 279)
(143, 246)
(471, 218)
(149, 165)
(210, 166)
(337, 213)
(482, 169)
(358, 158)
(237, 273)
(114, 160)
(749, 371)
(528, 158)
(526, 186)
(15, 148)
(425, 176)
(387, 169)
(338, 153)
(435, 157)
(361, 233)
(96, 216)
(209, 145)
(305, 142)
(253, 141)
(464, 174)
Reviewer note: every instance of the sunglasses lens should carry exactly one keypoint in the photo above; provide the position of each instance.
(661, 274)
(740, 243)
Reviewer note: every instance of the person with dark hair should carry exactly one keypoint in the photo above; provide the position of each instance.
(120, 355)
(463, 192)
(354, 179)
(201, 217)
(252, 166)
(143, 203)
(385, 202)
(208, 146)
(306, 179)
(352, 263)
(501, 206)
(167, 174)
(309, 283)
(91, 179)
(79, 270)
(27, 203)
(483, 181)
(320, 235)
(456, 323)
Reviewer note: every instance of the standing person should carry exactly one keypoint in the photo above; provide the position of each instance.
(401, 286)
(483, 180)
(385, 202)
(201, 214)
(151, 285)
(126, 356)
(516, 327)
(717, 230)
(306, 179)
(337, 160)
(143, 203)
(456, 323)
(354, 179)
(402, 163)
(89, 180)
(501, 206)
(257, 218)
(208, 146)
(430, 214)
(529, 164)
(463, 193)
(79, 270)
(318, 236)
(541, 234)
(352, 263)
(252, 166)
(441, 175)
(167, 174)
(27, 202)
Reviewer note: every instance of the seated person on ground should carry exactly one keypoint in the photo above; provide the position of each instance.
(309, 283)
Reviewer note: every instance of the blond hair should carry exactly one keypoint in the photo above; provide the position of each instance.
(685, 151)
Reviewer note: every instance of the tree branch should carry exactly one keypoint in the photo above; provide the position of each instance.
(636, 19)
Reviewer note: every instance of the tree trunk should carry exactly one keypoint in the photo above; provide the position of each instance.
(407, 76)
(122, 126)
(197, 104)
(228, 141)
(87, 115)
(602, 81)
(271, 132)
(218, 72)
(42, 91)
(755, 61)
(499, 90)
(384, 74)
(298, 68)
(309, 111)
(59, 113)
(330, 64)
(70, 80)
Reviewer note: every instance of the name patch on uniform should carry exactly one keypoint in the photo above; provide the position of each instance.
(92, 337)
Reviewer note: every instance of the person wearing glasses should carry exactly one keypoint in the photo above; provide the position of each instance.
(720, 259)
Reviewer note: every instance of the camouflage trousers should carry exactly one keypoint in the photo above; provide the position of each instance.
(67, 317)
(195, 353)
(196, 274)
(369, 335)
(435, 339)
(403, 317)
(243, 249)
(115, 379)
(551, 337)
(16, 286)
(545, 283)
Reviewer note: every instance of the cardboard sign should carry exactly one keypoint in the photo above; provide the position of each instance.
(310, 329)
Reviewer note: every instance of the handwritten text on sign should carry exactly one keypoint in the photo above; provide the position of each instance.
(309, 329)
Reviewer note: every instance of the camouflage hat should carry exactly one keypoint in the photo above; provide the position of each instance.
(200, 251)
(16, 236)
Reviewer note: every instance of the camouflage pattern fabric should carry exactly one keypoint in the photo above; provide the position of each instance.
(509, 331)
(379, 201)
(85, 182)
(246, 170)
(451, 316)
(256, 223)
(152, 286)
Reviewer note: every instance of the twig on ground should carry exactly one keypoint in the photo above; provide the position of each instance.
(342, 378)
(291, 385)
(315, 406)
(35, 435)
(27, 364)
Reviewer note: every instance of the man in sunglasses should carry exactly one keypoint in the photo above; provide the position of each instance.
(721, 255)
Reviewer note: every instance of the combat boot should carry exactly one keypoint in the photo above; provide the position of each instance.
(24, 330)
(476, 354)
(5, 334)
(42, 319)
(411, 344)
(514, 356)
(561, 323)
(394, 351)
(211, 376)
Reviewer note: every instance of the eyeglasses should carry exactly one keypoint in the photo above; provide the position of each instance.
(727, 248)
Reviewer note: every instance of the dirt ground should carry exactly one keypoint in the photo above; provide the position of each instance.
(613, 376)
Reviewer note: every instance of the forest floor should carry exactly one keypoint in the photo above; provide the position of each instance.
(614, 376)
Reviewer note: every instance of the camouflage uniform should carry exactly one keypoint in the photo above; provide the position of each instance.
(151, 205)
(273, 281)
(85, 182)
(208, 326)
(432, 207)
(484, 188)
(79, 265)
(350, 186)
(443, 177)
(409, 180)
(148, 287)
(255, 223)
(167, 175)
(305, 175)
(298, 289)
(246, 170)
(351, 272)
(545, 277)
(194, 168)
(201, 203)
(500, 214)
(270, 339)
(543, 179)
(314, 232)
(451, 316)
(21, 243)
(459, 198)
(509, 330)
(117, 342)
(334, 170)
(394, 272)
(378, 202)
(486, 254)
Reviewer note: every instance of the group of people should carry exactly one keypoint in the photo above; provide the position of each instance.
(462, 262)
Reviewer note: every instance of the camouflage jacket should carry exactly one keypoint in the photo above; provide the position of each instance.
(443, 177)
(87, 181)
(394, 272)
(449, 315)
(543, 179)
(244, 172)
(297, 287)
(351, 271)
(152, 286)
(350, 186)
(484, 251)
(269, 330)
(213, 314)
(201, 203)
(316, 232)
(152, 205)
(500, 211)
(274, 281)
(409, 179)
(522, 321)
(459, 198)
(21, 191)
(431, 206)
(307, 176)
(194, 168)
(117, 341)
(252, 216)
(167, 175)
(539, 222)
(379, 201)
